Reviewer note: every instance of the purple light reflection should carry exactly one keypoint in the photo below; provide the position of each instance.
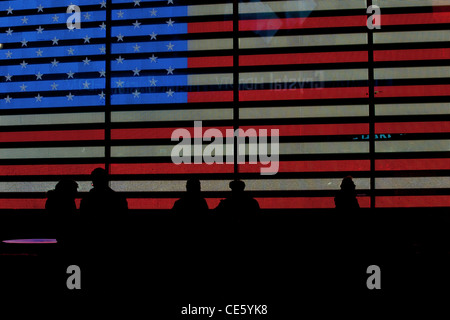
(31, 241)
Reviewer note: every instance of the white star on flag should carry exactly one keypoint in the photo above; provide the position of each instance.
(136, 48)
(87, 39)
(153, 36)
(102, 73)
(169, 46)
(70, 96)
(40, 29)
(102, 26)
(39, 98)
(119, 37)
(86, 61)
(8, 99)
(170, 93)
(54, 63)
(24, 43)
(136, 94)
(24, 20)
(10, 10)
(9, 32)
(120, 84)
(170, 70)
(86, 85)
(8, 77)
(153, 58)
(39, 76)
(137, 24)
(70, 74)
(153, 12)
(137, 3)
(70, 51)
(40, 8)
(170, 22)
(54, 86)
(8, 54)
(24, 64)
(23, 87)
(136, 72)
(153, 82)
(120, 60)
(55, 41)
(39, 53)
(102, 95)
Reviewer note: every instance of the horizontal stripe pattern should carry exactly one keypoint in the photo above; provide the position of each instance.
(303, 70)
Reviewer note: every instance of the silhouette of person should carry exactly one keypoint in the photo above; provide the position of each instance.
(191, 204)
(61, 208)
(239, 205)
(102, 207)
(345, 199)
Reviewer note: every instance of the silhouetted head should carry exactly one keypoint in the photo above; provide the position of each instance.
(67, 187)
(237, 186)
(193, 186)
(99, 178)
(347, 184)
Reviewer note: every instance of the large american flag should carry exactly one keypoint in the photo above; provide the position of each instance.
(111, 93)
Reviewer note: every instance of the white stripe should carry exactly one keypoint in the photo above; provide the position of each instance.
(302, 41)
(295, 6)
(59, 118)
(166, 186)
(412, 109)
(412, 73)
(284, 148)
(410, 36)
(304, 112)
(302, 184)
(210, 9)
(42, 153)
(413, 183)
(83, 186)
(299, 77)
(409, 3)
(210, 44)
(413, 146)
(172, 115)
(220, 79)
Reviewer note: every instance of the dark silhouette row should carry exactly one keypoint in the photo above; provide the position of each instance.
(104, 203)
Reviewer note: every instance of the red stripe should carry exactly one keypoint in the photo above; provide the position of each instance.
(302, 23)
(284, 130)
(214, 26)
(412, 201)
(303, 94)
(166, 204)
(415, 18)
(22, 203)
(47, 169)
(413, 127)
(265, 203)
(66, 135)
(27, 203)
(169, 168)
(305, 203)
(413, 91)
(303, 58)
(310, 166)
(210, 62)
(318, 22)
(412, 54)
(285, 166)
(210, 96)
(316, 129)
(412, 164)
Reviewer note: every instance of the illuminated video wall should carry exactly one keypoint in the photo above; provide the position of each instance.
(111, 91)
